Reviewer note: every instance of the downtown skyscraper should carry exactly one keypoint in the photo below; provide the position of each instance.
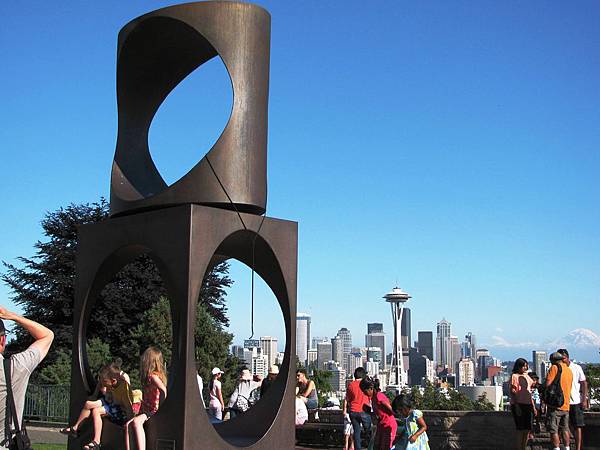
(375, 337)
(302, 337)
(443, 345)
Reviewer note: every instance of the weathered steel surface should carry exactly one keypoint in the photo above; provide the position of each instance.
(185, 242)
(155, 53)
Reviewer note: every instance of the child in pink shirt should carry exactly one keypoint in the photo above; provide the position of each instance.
(386, 423)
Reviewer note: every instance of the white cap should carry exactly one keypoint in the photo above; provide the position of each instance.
(216, 370)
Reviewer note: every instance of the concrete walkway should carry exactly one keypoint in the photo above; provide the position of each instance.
(45, 435)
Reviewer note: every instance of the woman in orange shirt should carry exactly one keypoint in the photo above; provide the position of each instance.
(521, 402)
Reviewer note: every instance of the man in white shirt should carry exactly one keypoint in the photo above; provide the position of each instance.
(22, 364)
(579, 398)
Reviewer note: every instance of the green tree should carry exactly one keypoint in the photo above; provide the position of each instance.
(43, 286)
(322, 380)
(435, 398)
(592, 374)
(211, 343)
(59, 372)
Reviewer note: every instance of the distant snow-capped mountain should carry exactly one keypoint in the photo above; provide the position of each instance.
(579, 338)
(583, 345)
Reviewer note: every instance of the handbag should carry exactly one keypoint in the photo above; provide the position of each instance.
(17, 439)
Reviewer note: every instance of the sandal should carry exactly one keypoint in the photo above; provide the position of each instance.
(92, 445)
(69, 431)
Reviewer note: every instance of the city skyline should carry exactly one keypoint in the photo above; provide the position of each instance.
(453, 151)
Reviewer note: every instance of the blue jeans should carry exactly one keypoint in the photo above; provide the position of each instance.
(359, 419)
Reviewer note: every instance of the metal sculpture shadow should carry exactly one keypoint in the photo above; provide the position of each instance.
(212, 213)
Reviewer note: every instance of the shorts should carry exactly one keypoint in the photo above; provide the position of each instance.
(576, 416)
(348, 429)
(114, 412)
(523, 416)
(558, 420)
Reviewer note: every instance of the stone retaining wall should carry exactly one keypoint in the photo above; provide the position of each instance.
(474, 430)
(450, 430)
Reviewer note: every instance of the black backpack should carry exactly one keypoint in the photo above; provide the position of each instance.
(553, 394)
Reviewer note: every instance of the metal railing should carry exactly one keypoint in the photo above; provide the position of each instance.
(47, 403)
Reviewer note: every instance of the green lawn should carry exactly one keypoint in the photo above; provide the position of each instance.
(49, 447)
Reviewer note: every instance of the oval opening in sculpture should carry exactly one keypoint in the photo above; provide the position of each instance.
(191, 120)
(253, 355)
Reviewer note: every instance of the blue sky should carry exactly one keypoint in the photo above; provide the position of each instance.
(449, 148)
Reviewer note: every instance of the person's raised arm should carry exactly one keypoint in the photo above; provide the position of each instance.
(43, 336)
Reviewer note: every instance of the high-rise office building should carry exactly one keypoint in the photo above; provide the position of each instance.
(454, 354)
(353, 361)
(483, 363)
(538, 358)
(425, 344)
(260, 365)
(372, 368)
(311, 360)
(465, 372)
(324, 354)
(346, 337)
(238, 351)
(316, 339)
(405, 330)
(268, 344)
(469, 346)
(337, 350)
(420, 366)
(375, 337)
(443, 348)
(374, 354)
(302, 337)
(251, 343)
(374, 328)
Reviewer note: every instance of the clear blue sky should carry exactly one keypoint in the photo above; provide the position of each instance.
(449, 148)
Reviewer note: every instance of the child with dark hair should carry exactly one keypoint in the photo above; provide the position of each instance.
(386, 423)
(414, 436)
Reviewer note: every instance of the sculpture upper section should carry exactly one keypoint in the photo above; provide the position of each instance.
(155, 53)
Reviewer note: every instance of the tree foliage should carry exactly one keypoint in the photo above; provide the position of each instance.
(434, 398)
(592, 374)
(43, 286)
(322, 380)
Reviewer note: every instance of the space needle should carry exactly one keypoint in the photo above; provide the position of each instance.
(397, 298)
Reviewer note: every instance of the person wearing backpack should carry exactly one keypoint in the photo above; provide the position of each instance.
(558, 384)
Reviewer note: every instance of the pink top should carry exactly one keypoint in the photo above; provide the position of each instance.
(522, 384)
(150, 398)
(386, 419)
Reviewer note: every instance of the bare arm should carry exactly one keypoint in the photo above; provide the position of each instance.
(422, 429)
(156, 381)
(220, 397)
(43, 336)
(584, 394)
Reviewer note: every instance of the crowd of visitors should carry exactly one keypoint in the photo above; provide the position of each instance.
(562, 398)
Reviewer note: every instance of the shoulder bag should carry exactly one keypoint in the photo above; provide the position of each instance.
(17, 439)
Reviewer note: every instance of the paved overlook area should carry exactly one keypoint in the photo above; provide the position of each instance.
(448, 430)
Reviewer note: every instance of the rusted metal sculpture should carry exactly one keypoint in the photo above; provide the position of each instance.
(211, 214)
